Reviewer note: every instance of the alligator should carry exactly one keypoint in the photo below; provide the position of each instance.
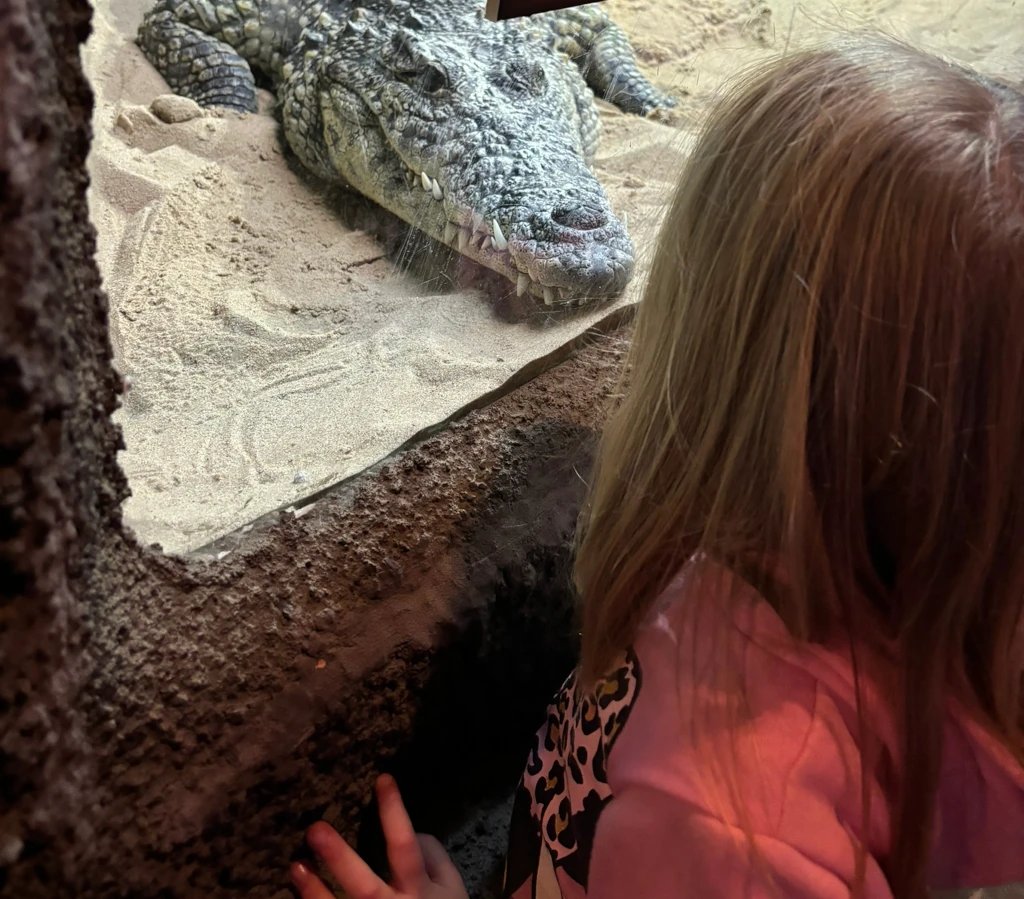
(480, 134)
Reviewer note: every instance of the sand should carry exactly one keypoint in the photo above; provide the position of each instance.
(278, 338)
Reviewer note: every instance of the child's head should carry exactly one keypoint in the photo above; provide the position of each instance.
(828, 368)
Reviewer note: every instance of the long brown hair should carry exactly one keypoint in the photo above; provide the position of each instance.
(828, 367)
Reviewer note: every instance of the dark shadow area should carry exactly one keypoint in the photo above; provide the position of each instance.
(491, 683)
(484, 702)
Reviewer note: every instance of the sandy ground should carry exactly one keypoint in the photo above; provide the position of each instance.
(278, 338)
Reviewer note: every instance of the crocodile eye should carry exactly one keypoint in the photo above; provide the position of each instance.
(527, 75)
(429, 79)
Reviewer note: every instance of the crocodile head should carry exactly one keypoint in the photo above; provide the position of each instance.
(478, 136)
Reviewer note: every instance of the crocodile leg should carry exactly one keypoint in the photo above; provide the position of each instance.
(612, 72)
(196, 65)
(602, 51)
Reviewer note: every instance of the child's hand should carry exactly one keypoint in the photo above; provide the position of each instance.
(420, 867)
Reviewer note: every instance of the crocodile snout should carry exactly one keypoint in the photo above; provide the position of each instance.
(578, 250)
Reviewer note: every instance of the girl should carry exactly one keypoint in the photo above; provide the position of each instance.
(801, 559)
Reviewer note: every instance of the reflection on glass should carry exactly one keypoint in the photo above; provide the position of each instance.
(328, 226)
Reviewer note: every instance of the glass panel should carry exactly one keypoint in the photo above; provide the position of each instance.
(370, 218)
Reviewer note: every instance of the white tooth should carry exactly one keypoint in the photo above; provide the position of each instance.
(463, 240)
(625, 221)
(522, 284)
(478, 223)
(449, 232)
(488, 244)
(435, 190)
(481, 241)
(425, 181)
(499, 237)
(549, 296)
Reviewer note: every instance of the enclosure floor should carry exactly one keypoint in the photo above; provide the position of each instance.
(278, 340)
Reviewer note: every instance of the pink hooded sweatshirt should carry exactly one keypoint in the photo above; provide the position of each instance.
(618, 801)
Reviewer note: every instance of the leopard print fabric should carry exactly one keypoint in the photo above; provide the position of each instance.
(565, 786)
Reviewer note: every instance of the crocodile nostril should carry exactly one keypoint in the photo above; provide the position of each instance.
(580, 218)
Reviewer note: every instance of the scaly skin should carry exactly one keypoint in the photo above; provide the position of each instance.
(480, 134)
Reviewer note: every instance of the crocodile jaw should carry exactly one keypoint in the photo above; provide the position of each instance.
(567, 269)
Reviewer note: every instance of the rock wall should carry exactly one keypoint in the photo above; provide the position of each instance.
(60, 488)
(168, 727)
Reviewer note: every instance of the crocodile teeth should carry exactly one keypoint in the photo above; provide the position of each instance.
(499, 238)
(625, 221)
(463, 240)
(449, 232)
(426, 182)
(549, 296)
(435, 190)
(522, 284)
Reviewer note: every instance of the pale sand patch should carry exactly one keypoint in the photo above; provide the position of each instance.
(273, 348)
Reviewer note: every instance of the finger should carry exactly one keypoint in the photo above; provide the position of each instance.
(440, 867)
(352, 873)
(404, 855)
(308, 884)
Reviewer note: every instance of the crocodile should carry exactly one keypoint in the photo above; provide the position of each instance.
(480, 134)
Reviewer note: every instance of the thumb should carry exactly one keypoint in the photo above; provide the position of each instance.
(440, 868)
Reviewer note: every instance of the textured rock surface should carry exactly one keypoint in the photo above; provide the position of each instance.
(168, 727)
(60, 488)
